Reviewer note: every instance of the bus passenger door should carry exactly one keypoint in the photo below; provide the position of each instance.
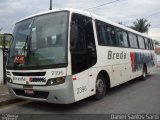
(83, 53)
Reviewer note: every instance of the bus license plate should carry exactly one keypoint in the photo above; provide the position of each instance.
(29, 91)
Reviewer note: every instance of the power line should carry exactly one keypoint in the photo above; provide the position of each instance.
(152, 15)
(102, 4)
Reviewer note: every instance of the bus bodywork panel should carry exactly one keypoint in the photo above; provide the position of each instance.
(125, 63)
(60, 94)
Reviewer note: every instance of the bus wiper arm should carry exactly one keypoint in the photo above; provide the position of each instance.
(22, 50)
(28, 49)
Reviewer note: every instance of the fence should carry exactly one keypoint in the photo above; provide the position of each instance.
(1, 65)
(3, 58)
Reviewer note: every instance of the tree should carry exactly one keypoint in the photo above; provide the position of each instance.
(141, 25)
(120, 23)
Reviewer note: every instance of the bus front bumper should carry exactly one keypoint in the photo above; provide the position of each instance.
(59, 94)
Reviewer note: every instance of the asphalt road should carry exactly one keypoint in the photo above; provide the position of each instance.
(135, 96)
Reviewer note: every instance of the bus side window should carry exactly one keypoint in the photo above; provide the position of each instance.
(133, 40)
(122, 38)
(125, 39)
(147, 44)
(110, 35)
(106, 34)
(151, 44)
(141, 42)
(119, 37)
(101, 34)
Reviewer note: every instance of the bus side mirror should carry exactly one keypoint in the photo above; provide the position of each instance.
(8, 35)
(8, 38)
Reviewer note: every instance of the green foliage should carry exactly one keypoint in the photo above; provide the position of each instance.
(0, 40)
(141, 25)
(7, 40)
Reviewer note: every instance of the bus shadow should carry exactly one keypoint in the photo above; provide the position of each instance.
(127, 84)
(50, 108)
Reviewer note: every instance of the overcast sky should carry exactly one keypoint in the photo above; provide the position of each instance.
(125, 11)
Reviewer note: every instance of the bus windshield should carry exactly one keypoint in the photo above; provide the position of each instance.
(40, 41)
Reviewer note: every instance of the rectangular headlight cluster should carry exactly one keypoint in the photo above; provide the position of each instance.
(56, 81)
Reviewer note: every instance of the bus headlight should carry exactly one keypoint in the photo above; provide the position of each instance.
(8, 79)
(56, 81)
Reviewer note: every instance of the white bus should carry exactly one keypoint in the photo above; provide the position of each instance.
(65, 55)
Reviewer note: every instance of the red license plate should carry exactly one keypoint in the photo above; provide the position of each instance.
(29, 91)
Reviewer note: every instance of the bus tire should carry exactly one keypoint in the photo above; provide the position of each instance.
(100, 87)
(144, 73)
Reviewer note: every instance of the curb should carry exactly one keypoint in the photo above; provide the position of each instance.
(9, 101)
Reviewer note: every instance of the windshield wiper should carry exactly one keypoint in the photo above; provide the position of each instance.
(21, 51)
(28, 50)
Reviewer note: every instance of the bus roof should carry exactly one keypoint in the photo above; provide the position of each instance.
(89, 14)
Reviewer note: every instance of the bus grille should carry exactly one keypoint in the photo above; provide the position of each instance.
(29, 73)
(37, 94)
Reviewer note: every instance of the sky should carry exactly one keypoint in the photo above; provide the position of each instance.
(125, 11)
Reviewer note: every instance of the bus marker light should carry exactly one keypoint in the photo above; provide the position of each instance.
(74, 78)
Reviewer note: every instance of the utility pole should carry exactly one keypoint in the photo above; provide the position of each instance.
(4, 58)
(50, 5)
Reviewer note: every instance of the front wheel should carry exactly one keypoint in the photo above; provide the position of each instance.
(100, 87)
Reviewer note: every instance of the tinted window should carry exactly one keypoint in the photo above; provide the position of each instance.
(151, 44)
(82, 43)
(141, 42)
(147, 44)
(41, 43)
(77, 42)
(106, 34)
(133, 40)
(122, 38)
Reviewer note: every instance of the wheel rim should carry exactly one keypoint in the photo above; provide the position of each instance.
(100, 86)
(144, 74)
